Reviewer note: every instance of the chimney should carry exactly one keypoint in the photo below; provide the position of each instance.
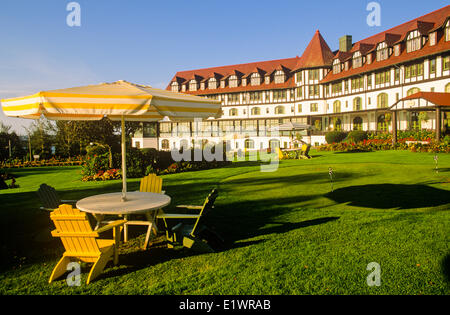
(345, 43)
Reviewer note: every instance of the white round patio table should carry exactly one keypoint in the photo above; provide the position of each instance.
(136, 203)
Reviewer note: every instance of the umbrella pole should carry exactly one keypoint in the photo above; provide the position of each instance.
(124, 166)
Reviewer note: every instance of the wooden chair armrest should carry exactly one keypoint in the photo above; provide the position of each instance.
(190, 207)
(69, 201)
(177, 216)
(111, 225)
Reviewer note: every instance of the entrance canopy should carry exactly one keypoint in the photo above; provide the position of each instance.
(422, 101)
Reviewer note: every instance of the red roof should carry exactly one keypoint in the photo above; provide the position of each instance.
(265, 67)
(438, 99)
(317, 54)
(424, 24)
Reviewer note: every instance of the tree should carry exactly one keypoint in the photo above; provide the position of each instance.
(10, 143)
(41, 138)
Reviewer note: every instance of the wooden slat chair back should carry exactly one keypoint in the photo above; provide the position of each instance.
(187, 232)
(151, 183)
(305, 151)
(81, 242)
(49, 197)
(207, 206)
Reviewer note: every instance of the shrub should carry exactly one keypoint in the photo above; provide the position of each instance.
(335, 137)
(357, 136)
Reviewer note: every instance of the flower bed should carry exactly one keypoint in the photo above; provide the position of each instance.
(41, 163)
(382, 144)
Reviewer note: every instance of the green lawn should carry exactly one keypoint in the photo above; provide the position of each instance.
(286, 232)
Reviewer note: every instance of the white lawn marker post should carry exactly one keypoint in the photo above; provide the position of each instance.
(330, 172)
(436, 158)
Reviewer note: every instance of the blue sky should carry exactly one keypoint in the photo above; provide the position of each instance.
(147, 42)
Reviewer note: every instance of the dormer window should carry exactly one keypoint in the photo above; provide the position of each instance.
(357, 60)
(382, 51)
(175, 87)
(255, 79)
(212, 84)
(233, 81)
(336, 66)
(193, 85)
(280, 76)
(413, 41)
(447, 31)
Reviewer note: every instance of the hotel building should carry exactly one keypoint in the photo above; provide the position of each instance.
(349, 89)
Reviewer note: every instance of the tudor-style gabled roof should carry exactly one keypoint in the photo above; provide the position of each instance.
(427, 23)
(317, 54)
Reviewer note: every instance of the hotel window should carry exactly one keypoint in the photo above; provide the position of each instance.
(314, 107)
(336, 66)
(280, 76)
(313, 74)
(369, 81)
(382, 52)
(357, 83)
(299, 107)
(250, 127)
(383, 77)
(412, 91)
(233, 81)
(256, 111)
(279, 95)
(299, 92)
(382, 124)
(337, 88)
(165, 130)
(357, 104)
(267, 96)
(313, 90)
(298, 77)
(255, 97)
(175, 87)
(165, 144)
(292, 94)
(226, 126)
(193, 85)
(357, 60)
(233, 112)
(337, 107)
(446, 63)
(279, 110)
(447, 31)
(433, 66)
(212, 84)
(447, 88)
(413, 41)
(397, 74)
(357, 123)
(414, 71)
(233, 98)
(255, 79)
(382, 100)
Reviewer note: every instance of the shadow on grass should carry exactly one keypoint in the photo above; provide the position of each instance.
(306, 178)
(391, 196)
(446, 267)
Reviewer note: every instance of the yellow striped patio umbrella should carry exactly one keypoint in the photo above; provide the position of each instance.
(119, 100)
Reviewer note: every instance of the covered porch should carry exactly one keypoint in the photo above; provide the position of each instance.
(436, 103)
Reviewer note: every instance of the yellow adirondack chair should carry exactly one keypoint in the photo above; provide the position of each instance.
(150, 183)
(188, 233)
(82, 243)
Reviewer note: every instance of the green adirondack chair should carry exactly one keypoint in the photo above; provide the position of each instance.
(50, 199)
(189, 232)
